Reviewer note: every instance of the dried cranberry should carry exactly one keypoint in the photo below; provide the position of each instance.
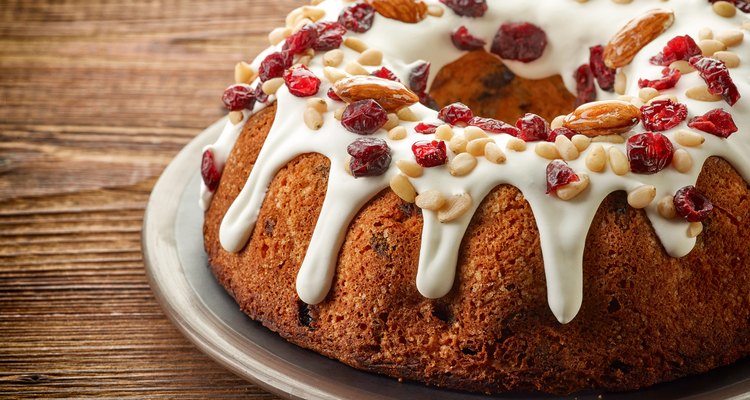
(364, 117)
(456, 114)
(301, 40)
(330, 36)
(716, 122)
(385, 73)
(274, 65)
(301, 82)
(332, 95)
(584, 85)
(463, 40)
(561, 131)
(428, 101)
(533, 128)
(425, 129)
(430, 153)
(260, 95)
(649, 152)
(559, 174)
(238, 97)
(717, 77)
(664, 114)
(691, 204)
(370, 157)
(605, 76)
(418, 78)
(520, 41)
(678, 48)
(492, 125)
(669, 78)
(467, 8)
(358, 17)
(209, 172)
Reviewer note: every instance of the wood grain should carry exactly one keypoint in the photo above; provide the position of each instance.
(97, 97)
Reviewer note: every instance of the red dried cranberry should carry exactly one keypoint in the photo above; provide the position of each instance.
(492, 125)
(678, 48)
(301, 82)
(664, 114)
(274, 65)
(584, 85)
(428, 101)
(385, 73)
(520, 41)
(561, 131)
(716, 122)
(418, 78)
(669, 78)
(463, 40)
(467, 8)
(238, 97)
(301, 40)
(358, 17)
(456, 114)
(332, 95)
(260, 95)
(533, 128)
(425, 129)
(364, 117)
(209, 172)
(692, 205)
(330, 36)
(717, 77)
(742, 5)
(430, 153)
(370, 157)
(649, 152)
(559, 174)
(605, 76)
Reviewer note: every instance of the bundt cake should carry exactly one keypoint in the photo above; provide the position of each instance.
(493, 196)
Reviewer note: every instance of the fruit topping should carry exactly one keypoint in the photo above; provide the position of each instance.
(456, 114)
(301, 82)
(332, 95)
(691, 204)
(302, 40)
(425, 129)
(467, 8)
(717, 77)
(533, 128)
(364, 117)
(274, 65)
(716, 122)
(430, 153)
(238, 97)
(742, 5)
(520, 41)
(668, 80)
(664, 114)
(358, 17)
(678, 48)
(463, 40)
(260, 95)
(561, 131)
(605, 76)
(385, 73)
(586, 92)
(330, 36)
(370, 157)
(209, 172)
(492, 125)
(559, 174)
(649, 152)
(418, 78)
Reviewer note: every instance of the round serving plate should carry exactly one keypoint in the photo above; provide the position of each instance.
(178, 272)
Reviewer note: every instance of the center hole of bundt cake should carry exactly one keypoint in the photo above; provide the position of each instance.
(482, 82)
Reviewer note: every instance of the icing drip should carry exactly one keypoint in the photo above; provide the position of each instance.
(563, 225)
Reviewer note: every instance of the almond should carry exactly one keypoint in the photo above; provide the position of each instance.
(391, 95)
(410, 11)
(603, 118)
(636, 34)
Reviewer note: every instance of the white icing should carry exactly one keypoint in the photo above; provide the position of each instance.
(571, 28)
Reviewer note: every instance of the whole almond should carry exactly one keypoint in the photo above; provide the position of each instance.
(391, 95)
(410, 11)
(636, 34)
(603, 118)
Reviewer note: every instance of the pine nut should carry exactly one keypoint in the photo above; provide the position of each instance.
(305, 60)
(235, 117)
(725, 9)
(397, 133)
(670, 97)
(406, 114)
(647, 93)
(392, 122)
(301, 24)
(682, 161)
(444, 132)
(371, 57)
(596, 160)
(410, 168)
(710, 46)
(313, 13)
(293, 16)
(355, 44)
(581, 142)
(557, 122)
(333, 58)
(701, 93)
(666, 208)
(339, 112)
(355, 68)
(573, 189)
(567, 150)
(313, 118)
(616, 139)
(278, 35)
(473, 132)
(515, 144)
(272, 85)
(493, 153)
(403, 188)
(729, 58)
(731, 38)
(618, 161)
(641, 196)
(334, 74)
(430, 200)
(244, 73)
(546, 150)
(621, 82)
(688, 138)
(476, 146)
(435, 10)
(694, 229)
(462, 164)
(705, 33)
(683, 66)
(455, 207)
(457, 144)
(317, 103)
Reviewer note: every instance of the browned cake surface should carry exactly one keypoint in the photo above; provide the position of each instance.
(646, 317)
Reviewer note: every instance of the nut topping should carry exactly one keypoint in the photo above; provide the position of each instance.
(391, 95)
(603, 118)
(410, 11)
(635, 35)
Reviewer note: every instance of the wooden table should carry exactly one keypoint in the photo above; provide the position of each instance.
(97, 97)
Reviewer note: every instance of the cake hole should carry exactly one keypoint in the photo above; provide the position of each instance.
(614, 305)
(304, 317)
(468, 351)
(441, 312)
(379, 244)
(620, 366)
(268, 226)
